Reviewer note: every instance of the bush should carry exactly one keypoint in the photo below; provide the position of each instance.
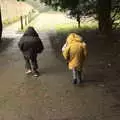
(10, 21)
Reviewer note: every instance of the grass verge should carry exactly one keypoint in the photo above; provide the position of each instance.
(10, 21)
(71, 26)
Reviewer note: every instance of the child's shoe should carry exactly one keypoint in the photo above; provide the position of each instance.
(28, 71)
(35, 73)
(74, 81)
(80, 81)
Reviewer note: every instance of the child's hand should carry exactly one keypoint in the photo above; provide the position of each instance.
(64, 46)
(67, 62)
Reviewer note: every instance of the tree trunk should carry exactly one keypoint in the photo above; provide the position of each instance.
(78, 24)
(0, 24)
(78, 20)
(104, 16)
(21, 19)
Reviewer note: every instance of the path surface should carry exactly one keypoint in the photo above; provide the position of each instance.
(50, 96)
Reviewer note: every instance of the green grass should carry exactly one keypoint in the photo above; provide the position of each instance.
(10, 21)
(64, 27)
(71, 26)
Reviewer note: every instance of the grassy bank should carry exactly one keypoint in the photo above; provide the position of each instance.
(10, 21)
(70, 27)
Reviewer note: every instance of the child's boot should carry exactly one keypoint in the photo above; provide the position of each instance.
(74, 81)
(35, 73)
(28, 71)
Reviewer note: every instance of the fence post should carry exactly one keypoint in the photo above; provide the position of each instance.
(25, 19)
(21, 19)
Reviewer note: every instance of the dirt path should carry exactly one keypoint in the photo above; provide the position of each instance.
(51, 96)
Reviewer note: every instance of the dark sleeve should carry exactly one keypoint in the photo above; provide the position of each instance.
(20, 45)
(40, 46)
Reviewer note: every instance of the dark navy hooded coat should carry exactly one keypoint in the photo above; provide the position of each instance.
(30, 43)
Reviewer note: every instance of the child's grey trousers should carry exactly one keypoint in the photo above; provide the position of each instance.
(76, 75)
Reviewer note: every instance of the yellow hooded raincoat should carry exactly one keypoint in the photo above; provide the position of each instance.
(75, 51)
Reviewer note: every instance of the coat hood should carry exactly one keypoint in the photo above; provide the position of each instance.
(73, 37)
(30, 32)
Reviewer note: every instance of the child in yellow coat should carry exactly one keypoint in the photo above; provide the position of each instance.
(75, 52)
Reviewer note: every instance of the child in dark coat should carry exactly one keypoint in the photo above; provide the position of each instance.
(30, 45)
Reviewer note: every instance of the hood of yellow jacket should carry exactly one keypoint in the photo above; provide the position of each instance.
(73, 37)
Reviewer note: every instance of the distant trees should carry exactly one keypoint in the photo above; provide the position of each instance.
(83, 8)
(77, 8)
(73, 6)
(107, 11)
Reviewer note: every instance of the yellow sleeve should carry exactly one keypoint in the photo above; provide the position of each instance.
(85, 49)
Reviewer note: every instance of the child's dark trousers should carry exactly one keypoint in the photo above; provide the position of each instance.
(31, 62)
